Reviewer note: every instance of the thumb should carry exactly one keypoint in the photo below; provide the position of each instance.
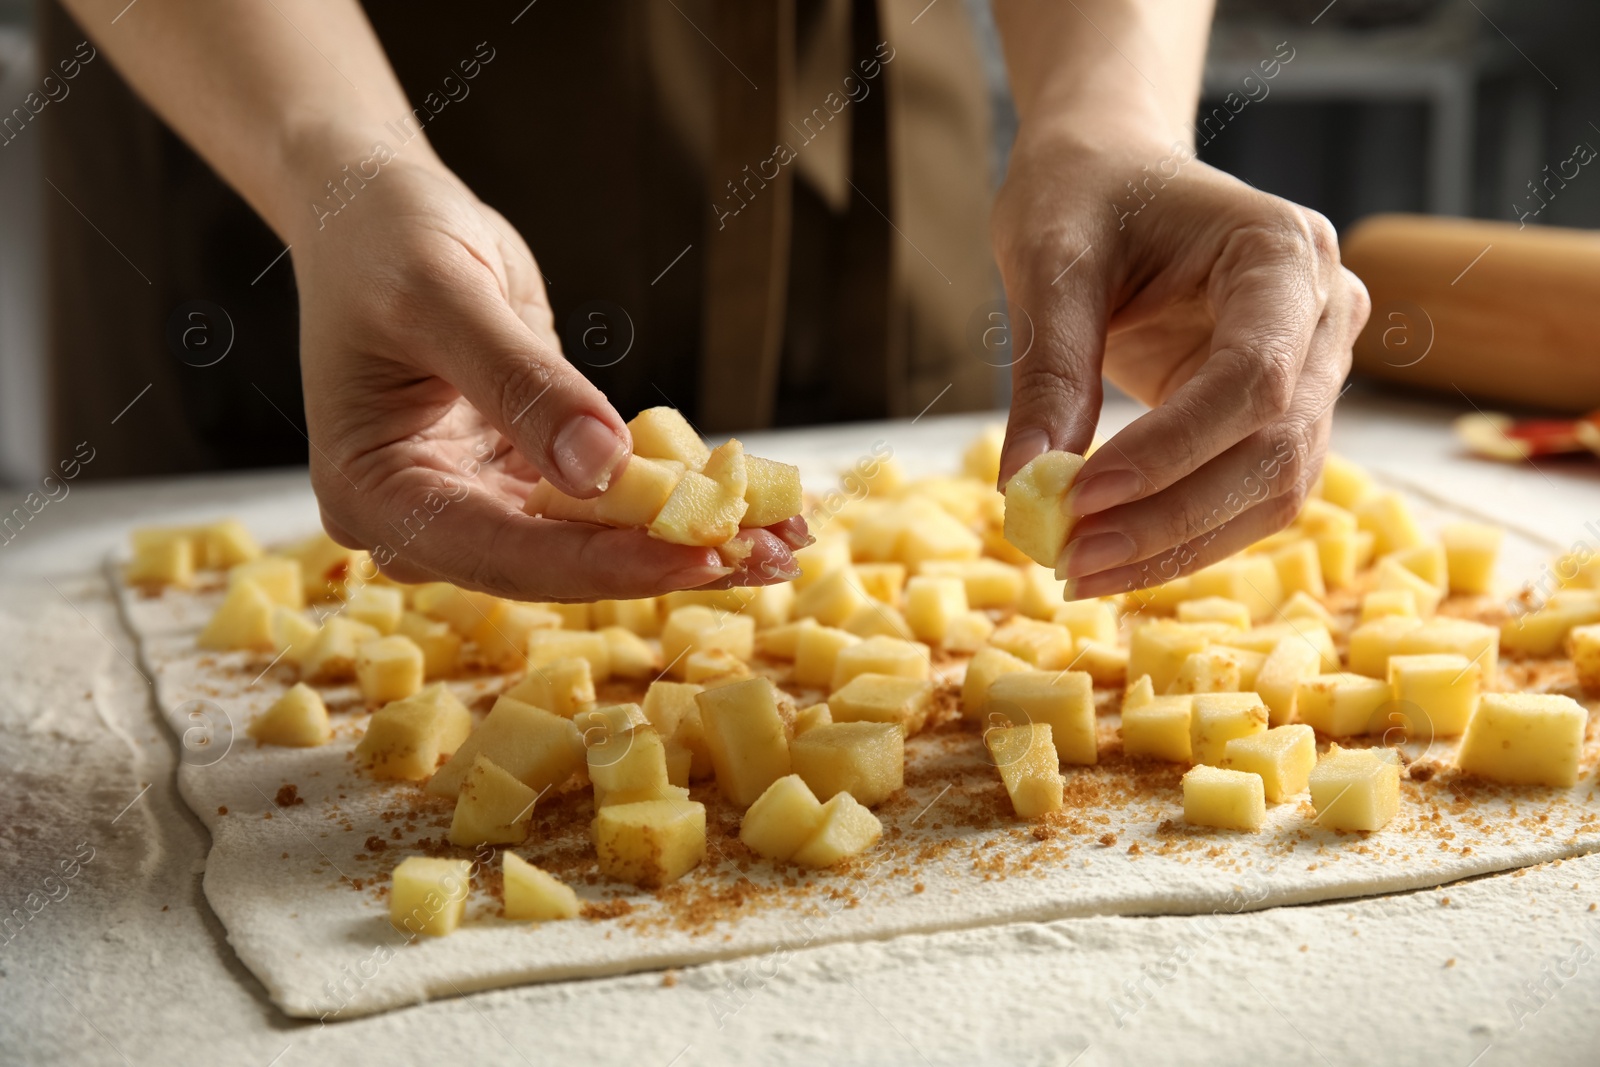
(1058, 340)
(551, 413)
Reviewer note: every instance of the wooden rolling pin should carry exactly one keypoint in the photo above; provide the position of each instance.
(1506, 315)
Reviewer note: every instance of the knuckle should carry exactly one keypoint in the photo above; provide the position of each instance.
(1271, 381)
(1320, 236)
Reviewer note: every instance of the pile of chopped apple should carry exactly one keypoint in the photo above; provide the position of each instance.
(679, 489)
(1288, 674)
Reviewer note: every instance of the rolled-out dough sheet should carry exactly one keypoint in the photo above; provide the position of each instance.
(298, 876)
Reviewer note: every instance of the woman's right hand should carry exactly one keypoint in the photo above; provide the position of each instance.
(437, 394)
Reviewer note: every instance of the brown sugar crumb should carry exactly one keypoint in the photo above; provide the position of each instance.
(669, 979)
(1451, 962)
(1134, 849)
(288, 796)
(164, 907)
(1305, 948)
(1108, 839)
(919, 888)
(375, 844)
(1444, 902)
(611, 909)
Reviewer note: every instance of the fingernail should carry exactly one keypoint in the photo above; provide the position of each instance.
(1095, 553)
(1104, 491)
(586, 452)
(692, 577)
(1021, 449)
(1070, 590)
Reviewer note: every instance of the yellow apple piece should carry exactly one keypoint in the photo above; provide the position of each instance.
(713, 664)
(642, 616)
(1372, 643)
(666, 704)
(933, 604)
(548, 646)
(969, 632)
(536, 747)
(1092, 620)
(493, 808)
(1158, 648)
(782, 641)
(1036, 518)
(1044, 644)
(772, 492)
(700, 511)
(1025, 755)
(1343, 704)
(873, 619)
(505, 639)
(637, 495)
(783, 818)
(832, 599)
(1042, 591)
(1436, 693)
(883, 582)
(881, 655)
(1062, 699)
(1292, 660)
(981, 460)
(982, 670)
(169, 562)
(629, 767)
(604, 721)
(564, 686)
(650, 843)
(1157, 727)
(864, 759)
(1381, 603)
(1470, 549)
(1583, 645)
(697, 628)
(1218, 718)
(1389, 519)
(441, 646)
(276, 576)
(1301, 605)
(883, 698)
(428, 896)
(388, 668)
(1216, 669)
(405, 740)
(816, 654)
(242, 621)
(631, 656)
(808, 718)
(1428, 562)
(332, 656)
(1345, 483)
(1105, 663)
(846, 829)
(1223, 799)
(989, 583)
(298, 719)
(1215, 609)
(1251, 580)
(464, 609)
(663, 433)
(1543, 632)
(1392, 574)
(745, 736)
(1524, 739)
(1355, 789)
(1282, 756)
(533, 894)
(326, 566)
(1299, 567)
(379, 606)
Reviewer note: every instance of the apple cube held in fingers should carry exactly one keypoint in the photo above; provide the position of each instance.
(1036, 519)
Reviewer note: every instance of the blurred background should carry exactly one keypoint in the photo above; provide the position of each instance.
(1443, 107)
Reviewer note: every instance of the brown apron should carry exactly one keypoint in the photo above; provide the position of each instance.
(779, 211)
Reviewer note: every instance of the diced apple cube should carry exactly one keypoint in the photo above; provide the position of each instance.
(1372, 643)
(1042, 591)
(1105, 663)
(879, 620)
(276, 576)
(1463, 637)
(631, 657)
(1044, 644)
(931, 533)
(807, 719)
(846, 829)
(428, 896)
(696, 628)
(773, 492)
(745, 736)
(379, 606)
(1381, 603)
(1223, 799)
(989, 583)
(784, 817)
(1544, 631)
(1158, 727)
(1211, 670)
(628, 767)
(1345, 483)
(1218, 718)
(332, 656)
(1303, 606)
(883, 698)
(505, 638)
(1583, 645)
(817, 654)
(1394, 575)
(563, 686)
(1063, 699)
(167, 561)
(538, 748)
(1355, 789)
(933, 604)
(1092, 620)
(1428, 562)
(464, 609)
(298, 719)
(604, 721)
(572, 616)
(1251, 580)
(981, 460)
(1293, 660)
(781, 642)
(1389, 519)
(1025, 755)
(864, 759)
(667, 703)
(534, 895)
(1470, 549)
(663, 433)
(492, 808)
(1525, 739)
(651, 843)
(833, 599)
(642, 616)
(1159, 648)
(1282, 756)
(881, 655)
(405, 739)
(1436, 693)
(1299, 567)
(636, 496)
(1215, 609)
(388, 668)
(700, 511)
(548, 646)
(1036, 518)
(1343, 704)
(969, 632)
(827, 553)
(242, 621)
(1338, 552)
(441, 646)
(883, 582)
(713, 664)
(982, 670)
